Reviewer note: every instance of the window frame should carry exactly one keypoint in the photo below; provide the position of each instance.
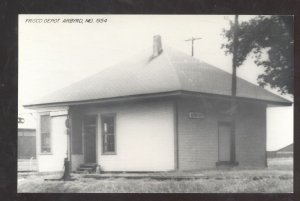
(103, 152)
(41, 135)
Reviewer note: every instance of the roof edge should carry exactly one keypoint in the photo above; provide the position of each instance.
(31, 129)
(151, 95)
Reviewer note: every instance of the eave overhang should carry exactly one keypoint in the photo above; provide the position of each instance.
(154, 96)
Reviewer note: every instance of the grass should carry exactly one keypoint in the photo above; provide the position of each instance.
(277, 178)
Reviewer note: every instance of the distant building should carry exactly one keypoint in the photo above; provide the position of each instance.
(26, 137)
(286, 151)
(161, 111)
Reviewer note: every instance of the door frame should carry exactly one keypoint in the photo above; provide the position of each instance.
(223, 123)
(96, 135)
(230, 162)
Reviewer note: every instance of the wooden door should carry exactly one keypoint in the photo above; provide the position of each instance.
(224, 141)
(90, 130)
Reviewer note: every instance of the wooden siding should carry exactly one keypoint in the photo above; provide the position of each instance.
(145, 136)
(251, 135)
(198, 138)
(53, 161)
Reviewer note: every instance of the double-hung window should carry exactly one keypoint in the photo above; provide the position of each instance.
(45, 134)
(108, 134)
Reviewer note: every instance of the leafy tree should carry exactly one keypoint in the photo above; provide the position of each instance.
(270, 34)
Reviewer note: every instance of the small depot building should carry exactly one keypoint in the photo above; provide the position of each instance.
(162, 110)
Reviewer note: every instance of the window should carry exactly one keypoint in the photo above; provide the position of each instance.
(45, 134)
(108, 134)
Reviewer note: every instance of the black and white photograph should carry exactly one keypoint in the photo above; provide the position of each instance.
(155, 103)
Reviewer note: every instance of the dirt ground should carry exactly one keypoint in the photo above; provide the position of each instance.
(277, 178)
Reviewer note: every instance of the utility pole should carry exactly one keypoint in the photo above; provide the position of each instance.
(193, 39)
(67, 161)
(233, 90)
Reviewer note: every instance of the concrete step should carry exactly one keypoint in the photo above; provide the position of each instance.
(85, 170)
(79, 172)
(89, 164)
(87, 167)
(93, 165)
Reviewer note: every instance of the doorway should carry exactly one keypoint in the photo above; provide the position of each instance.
(89, 133)
(224, 141)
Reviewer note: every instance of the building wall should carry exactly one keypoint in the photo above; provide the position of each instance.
(26, 143)
(251, 135)
(55, 160)
(198, 138)
(144, 136)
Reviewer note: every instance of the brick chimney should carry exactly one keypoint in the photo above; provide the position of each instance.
(157, 46)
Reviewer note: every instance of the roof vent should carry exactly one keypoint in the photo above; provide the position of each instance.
(157, 46)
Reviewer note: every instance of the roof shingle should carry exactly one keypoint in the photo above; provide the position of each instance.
(170, 71)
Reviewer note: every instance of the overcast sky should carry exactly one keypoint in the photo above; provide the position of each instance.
(54, 55)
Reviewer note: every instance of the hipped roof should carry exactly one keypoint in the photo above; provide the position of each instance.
(170, 71)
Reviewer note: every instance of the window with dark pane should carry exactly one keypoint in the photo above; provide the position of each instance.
(108, 133)
(45, 134)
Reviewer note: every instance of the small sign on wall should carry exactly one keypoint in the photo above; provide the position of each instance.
(196, 115)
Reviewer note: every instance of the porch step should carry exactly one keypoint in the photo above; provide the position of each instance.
(87, 168)
(89, 165)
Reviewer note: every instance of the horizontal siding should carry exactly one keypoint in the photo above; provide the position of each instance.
(144, 136)
(251, 135)
(198, 138)
(55, 160)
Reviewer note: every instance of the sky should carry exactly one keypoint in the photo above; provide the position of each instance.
(53, 55)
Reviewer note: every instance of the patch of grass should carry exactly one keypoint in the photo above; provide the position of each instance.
(281, 163)
(167, 186)
(277, 178)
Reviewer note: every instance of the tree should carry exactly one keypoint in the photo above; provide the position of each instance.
(270, 34)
